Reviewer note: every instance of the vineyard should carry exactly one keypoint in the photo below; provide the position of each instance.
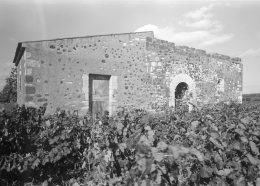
(216, 145)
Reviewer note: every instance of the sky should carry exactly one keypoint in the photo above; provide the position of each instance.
(226, 27)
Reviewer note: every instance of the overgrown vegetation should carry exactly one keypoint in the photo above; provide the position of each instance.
(213, 146)
(9, 92)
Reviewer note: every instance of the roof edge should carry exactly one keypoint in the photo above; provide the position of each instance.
(188, 49)
(20, 49)
(88, 36)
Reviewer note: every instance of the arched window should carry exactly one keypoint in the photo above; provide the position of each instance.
(221, 85)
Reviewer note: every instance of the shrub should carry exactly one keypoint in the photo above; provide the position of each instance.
(9, 92)
(216, 145)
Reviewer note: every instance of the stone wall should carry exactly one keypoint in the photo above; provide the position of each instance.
(143, 70)
(217, 77)
(59, 70)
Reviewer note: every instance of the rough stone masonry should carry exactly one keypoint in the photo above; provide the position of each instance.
(97, 73)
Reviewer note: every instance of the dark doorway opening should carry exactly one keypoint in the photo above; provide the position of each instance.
(180, 90)
(98, 94)
(179, 93)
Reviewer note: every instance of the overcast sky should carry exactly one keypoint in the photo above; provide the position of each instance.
(227, 27)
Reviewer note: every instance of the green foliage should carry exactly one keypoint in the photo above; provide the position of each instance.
(213, 146)
(9, 92)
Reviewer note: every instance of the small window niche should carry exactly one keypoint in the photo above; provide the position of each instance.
(221, 85)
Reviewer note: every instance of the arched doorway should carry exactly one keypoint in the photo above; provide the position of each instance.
(180, 91)
(180, 86)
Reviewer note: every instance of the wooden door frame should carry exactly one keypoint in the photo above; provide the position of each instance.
(91, 78)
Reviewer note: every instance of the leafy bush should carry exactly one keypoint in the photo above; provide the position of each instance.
(216, 145)
(9, 92)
